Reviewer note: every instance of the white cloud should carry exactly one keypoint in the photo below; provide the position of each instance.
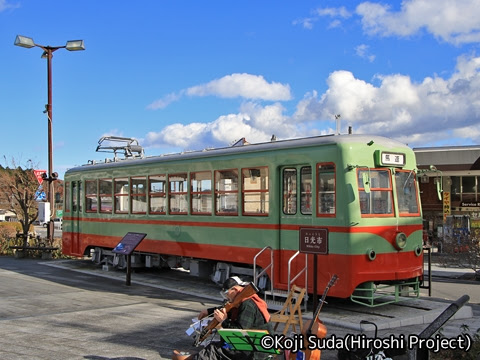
(242, 85)
(391, 105)
(307, 23)
(231, 86)
(255, 122)
(4, 5)
(398, 107)
(363, 52)
(178, 135)
(165, 101)
(456, 22)
(334, 12)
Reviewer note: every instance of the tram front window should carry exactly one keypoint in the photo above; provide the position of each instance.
(375, 197)
(406, 188)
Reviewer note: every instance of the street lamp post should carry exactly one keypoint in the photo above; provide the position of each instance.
(51, 176)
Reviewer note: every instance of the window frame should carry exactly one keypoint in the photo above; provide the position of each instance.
(135, 195)
(91, 196)
(67, 197)
(256, 191)
(207, 193)
(306, 193)
(173, 194)
(334, 192)
(376, 189)
(414, 178)
(159, 194)
(289, 193)
(119, 196)
(225, 193)
(102, 195)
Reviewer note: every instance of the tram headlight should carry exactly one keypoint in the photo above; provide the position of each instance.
(400, 240)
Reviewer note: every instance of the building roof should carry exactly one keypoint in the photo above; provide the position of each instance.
(449, 157)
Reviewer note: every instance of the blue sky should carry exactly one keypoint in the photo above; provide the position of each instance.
(187, 75)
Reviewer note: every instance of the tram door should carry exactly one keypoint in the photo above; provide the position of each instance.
(76, 213)
(296, 212)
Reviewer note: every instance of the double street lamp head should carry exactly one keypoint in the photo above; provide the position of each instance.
(27, 42)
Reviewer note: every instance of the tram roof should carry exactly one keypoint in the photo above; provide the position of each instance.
(247, 148)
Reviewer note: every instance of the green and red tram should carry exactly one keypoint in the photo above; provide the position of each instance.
(352, 199)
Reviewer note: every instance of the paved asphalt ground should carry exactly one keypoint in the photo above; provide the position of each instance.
(73, 310)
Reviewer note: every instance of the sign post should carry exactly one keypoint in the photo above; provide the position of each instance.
(39, 174)
(313, 241)
(126, 247)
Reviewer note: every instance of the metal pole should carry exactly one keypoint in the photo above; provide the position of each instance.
(128, 280)
(50, 230)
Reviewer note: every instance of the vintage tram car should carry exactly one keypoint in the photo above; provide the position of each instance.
(351, 201)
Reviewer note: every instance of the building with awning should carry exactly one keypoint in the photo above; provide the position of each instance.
(449, 178)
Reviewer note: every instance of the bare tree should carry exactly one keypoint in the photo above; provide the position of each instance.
(18, 187)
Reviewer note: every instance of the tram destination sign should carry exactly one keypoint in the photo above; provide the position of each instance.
(129, 242)
(313, 241)
(383, 158)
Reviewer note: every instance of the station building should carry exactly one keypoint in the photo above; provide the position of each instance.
(449, 181)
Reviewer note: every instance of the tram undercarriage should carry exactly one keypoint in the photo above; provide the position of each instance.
(218, 272)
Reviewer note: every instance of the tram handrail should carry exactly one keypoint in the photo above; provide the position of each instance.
(291, 281)
(271, 265)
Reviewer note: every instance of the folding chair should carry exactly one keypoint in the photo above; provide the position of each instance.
(291, 312)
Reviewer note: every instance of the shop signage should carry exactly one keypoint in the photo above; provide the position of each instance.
(446, 204)
(470, 204)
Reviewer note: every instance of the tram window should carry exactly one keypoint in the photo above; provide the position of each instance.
(306, 190)
(80, 196)
(326, 189)
(178, 193)
(91, 196)
(67, 197)
(139, 195)
(157, 194)
(74, 196)
(105, 195)
(201, 192)
(290, 191)
(378, 201)
(255, 191)
(226, 192)
(406, 187)
(122, 192)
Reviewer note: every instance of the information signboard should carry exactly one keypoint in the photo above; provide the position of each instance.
(313, 241)
(125, 247)
(129, 242)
